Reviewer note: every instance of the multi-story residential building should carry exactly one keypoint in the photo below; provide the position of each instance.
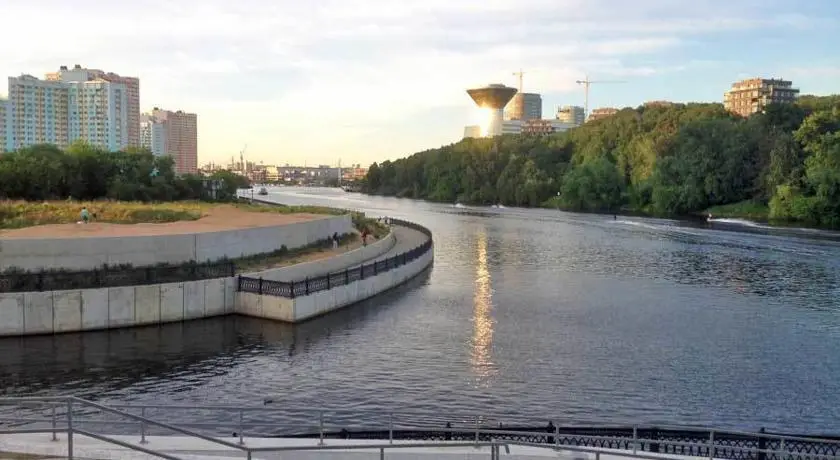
(153, 134)
(98, 113)
(571, 114)
(37, 113)
(751, 96)
(602, 112)
(181, 138)
(524, 106)
(132, 90)
(4, 104)
(545, 126)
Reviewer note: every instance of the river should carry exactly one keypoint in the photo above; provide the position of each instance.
(527, 315)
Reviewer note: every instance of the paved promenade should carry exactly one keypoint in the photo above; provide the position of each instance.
(192, 448)
(405, 239)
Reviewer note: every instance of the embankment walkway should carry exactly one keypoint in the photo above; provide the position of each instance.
(404, 239)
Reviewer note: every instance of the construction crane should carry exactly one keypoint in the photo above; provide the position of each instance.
(586, 82)
(242, 158)
(519, 74)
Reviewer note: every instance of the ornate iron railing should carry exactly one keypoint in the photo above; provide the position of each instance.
(645, 442)
(326, 282)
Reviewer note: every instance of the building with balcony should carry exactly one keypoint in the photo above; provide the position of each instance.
(37, 113)
(602, 112)
(180, 138)
(747, 97)
(131, 88)
(571, 114)
(153, 134)
(524, 106)
(98, 113)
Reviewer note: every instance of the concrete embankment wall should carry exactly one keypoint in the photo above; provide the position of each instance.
(322, 302)
(31, 313)
(89, 253)
(352, 258)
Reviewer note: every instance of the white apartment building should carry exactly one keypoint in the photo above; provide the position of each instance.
(132, 90)
(153, 134)
(99, 113)
(60, 112)
(37, 113)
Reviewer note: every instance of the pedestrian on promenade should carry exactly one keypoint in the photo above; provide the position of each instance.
(364, 236)
(85, 215)
(335, 240)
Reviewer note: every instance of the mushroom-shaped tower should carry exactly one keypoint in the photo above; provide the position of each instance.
(493, 98)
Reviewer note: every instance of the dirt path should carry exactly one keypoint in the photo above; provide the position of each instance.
(217, 219)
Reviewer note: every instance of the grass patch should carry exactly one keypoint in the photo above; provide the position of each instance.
(749, 209)
(21, 214)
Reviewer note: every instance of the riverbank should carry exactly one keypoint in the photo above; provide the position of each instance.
(748, 210)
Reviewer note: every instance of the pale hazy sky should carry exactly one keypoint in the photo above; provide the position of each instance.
(368, 80)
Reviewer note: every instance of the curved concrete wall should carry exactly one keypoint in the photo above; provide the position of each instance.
(31, 313)
(89, 253)
(352, 258)
(322, 302)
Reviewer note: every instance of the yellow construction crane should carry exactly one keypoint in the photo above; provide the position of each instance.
(586, 82)
(519, 74)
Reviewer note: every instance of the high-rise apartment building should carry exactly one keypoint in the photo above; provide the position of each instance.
(4, 104)
(37, 113)
(132, 91)
(751, 96)
(181, 138)
(571, 114)
(524, 106)
(153, 134)
(98, 113)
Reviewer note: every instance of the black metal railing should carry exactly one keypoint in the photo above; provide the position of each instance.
(326, 282)
(113, 277)
(694, 443)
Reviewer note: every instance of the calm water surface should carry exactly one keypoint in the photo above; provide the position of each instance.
(526, 315)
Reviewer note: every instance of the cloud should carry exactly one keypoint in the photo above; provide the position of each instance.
(272, 67)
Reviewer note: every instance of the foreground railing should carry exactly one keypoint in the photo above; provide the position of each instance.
(74, 415)
(341, 278)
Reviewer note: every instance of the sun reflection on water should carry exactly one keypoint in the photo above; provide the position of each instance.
(482, 339)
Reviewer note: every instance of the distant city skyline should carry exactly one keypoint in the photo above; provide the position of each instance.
(372, 80)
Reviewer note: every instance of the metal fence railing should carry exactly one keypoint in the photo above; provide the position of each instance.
(293, 289)
(113, 277)
(74, 415)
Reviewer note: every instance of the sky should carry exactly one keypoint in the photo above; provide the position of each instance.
(358, 81)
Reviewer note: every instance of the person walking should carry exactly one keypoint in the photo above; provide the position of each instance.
(85, 215)
(364, 236)
(335, 240)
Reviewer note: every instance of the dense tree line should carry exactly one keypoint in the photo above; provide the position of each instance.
(83, 172)
(671, 160)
